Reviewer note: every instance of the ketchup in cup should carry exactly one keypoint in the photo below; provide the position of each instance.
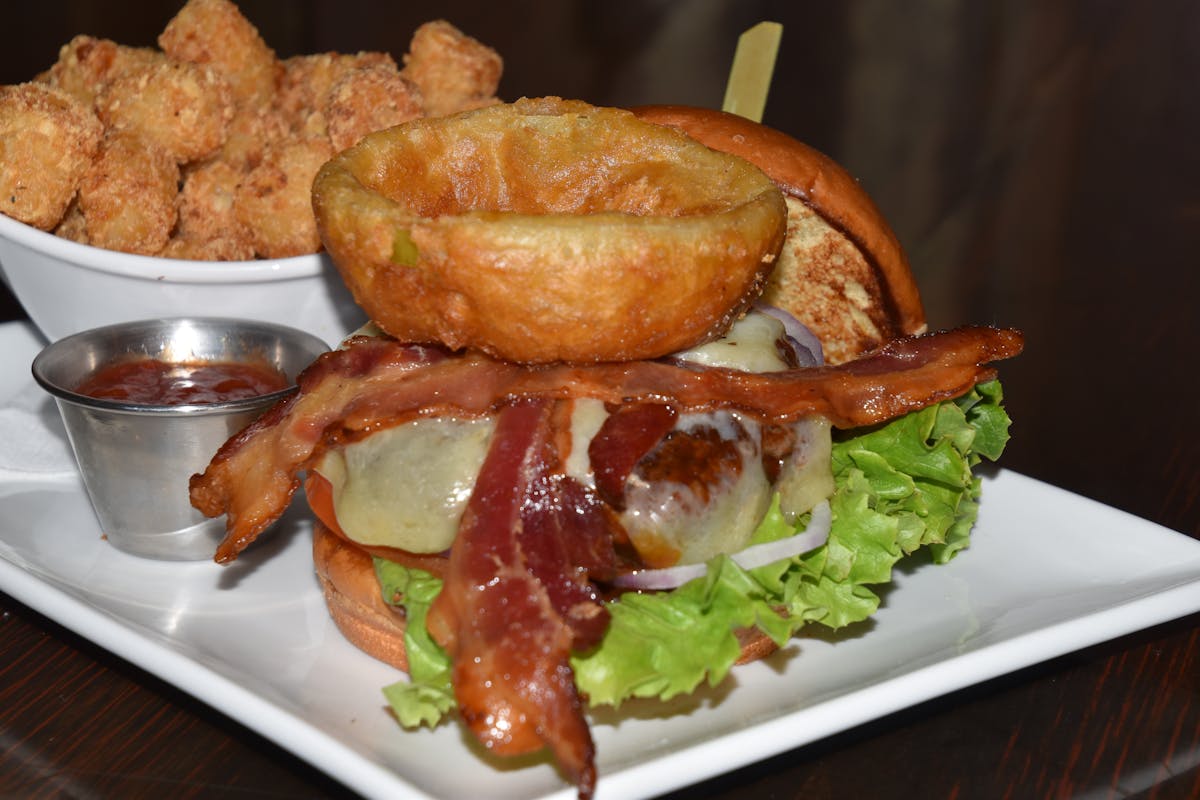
(147, 403)
(152, 381)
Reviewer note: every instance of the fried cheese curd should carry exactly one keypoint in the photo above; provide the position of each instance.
(451, 70)
(47, 141)
(128, 195)
(181, 108)
(366, 100)
(86, 65)
(548, 230)
(73, 226)
(208, 228)
(249, 134)
(214, 33)
(273, 201)
(242, 127)
(308, 79)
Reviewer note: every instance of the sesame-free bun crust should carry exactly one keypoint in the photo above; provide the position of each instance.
(352, 594)
(548, 230)
(842, 271)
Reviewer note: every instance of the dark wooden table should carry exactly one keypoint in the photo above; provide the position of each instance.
(1040, 163)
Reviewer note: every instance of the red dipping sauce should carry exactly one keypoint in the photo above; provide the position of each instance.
(152, 382)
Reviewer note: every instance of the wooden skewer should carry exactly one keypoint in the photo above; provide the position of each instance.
(753, 65)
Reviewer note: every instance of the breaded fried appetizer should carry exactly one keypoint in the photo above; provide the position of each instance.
(73, 226)
(219, 248)
(307, 79)
(47, 140)
(274, 201)
(453, 71)
(207, 222)
(249, 133)
(86, 65)
(182, 108)
(216, 93)
(216, 34)
(367, 100)
(128, 195)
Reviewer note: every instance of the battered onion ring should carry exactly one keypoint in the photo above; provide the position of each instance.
(548, 230)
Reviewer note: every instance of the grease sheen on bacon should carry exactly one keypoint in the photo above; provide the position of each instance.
(378, 382)
(517, 599)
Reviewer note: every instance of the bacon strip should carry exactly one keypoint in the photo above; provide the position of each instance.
(378, 382)
(626, 435)
(266, 455)
(514, 604)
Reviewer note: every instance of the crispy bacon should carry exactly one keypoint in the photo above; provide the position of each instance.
(626, 435)
(375, 383)
(516, 600)
(267, 454)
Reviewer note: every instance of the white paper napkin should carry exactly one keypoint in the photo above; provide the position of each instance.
(33, 442)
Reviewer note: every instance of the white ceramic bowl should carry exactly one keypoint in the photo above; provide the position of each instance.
(67, 287)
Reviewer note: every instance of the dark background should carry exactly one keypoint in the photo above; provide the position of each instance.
(1039, 162)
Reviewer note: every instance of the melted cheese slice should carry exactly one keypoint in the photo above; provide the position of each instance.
(407, 486)
(751, 345)
(807, 477)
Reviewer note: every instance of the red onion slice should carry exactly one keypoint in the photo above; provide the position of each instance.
(812, 537)
(803, 341)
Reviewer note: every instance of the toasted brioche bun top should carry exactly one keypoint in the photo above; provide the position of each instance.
(842, 271)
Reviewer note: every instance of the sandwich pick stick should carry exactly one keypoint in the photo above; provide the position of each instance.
(750, 75)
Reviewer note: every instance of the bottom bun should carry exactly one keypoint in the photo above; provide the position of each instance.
(352, 593)
(755, 645)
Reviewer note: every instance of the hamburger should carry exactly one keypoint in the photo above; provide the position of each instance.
(529, 517)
